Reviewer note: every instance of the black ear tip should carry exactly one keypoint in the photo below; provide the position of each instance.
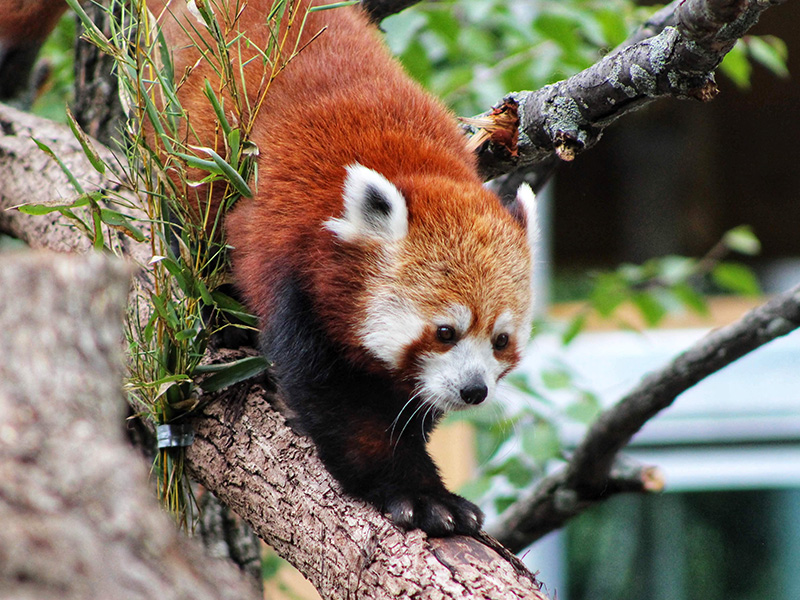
(376, 202)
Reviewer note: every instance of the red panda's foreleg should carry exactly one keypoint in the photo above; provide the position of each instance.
(352, 416)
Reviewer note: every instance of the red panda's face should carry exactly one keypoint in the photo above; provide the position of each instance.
(447, 305)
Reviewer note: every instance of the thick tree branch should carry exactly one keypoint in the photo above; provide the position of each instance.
(79, 517)
(589, 477)
(570, 116)
(273, 479)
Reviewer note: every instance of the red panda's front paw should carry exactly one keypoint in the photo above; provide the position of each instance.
(437, 515)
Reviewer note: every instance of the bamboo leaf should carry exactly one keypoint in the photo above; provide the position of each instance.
(122, 223)
(88, 148)
(231, 174)
(200, 163)
(43, 208)
(217, 106)
(333, 5)
(235, 372)
(46, 149)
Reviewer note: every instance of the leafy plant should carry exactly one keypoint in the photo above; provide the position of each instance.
(174, 181)
(668, 284)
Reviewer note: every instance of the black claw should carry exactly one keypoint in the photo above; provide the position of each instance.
(437, 514)
(401, 511)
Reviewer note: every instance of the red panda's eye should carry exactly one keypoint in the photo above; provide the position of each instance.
(445, 333)
(501, 341)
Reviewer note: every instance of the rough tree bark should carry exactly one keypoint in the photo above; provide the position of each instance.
(249, 449)
(96, 106)
(79, 519)
(342, 545)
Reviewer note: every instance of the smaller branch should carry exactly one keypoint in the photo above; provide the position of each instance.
(721, 347)
(593, 471)
(568, 117)
(552, 503)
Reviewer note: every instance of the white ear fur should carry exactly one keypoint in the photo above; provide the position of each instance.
(373, 208)
(526, 199)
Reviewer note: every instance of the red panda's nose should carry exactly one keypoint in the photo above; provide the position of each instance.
(474, 393)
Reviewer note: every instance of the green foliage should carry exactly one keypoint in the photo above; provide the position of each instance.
(668, 284)
(768, 50)
(472, 53)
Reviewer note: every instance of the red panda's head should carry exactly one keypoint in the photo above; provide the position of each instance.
(447, 301)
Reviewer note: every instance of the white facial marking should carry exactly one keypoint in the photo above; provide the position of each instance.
(457, 316)
(391, 325)
(374, 209)
(444, 374)
(504, 323)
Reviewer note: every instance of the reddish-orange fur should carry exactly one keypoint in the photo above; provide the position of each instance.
(343, 100)
(24, 26)
(28, 21)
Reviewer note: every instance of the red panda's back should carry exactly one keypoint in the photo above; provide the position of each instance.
(342, 100)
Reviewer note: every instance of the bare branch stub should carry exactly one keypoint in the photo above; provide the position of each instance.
(497, 131)
(689, 41)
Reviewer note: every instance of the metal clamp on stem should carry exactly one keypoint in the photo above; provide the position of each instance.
(174, 436)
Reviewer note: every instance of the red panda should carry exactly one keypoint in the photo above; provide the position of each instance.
(390, 285)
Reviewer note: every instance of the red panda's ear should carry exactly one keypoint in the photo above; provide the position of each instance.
(523, 209)
(374, 209)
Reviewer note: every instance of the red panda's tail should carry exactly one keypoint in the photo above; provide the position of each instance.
(24, 25)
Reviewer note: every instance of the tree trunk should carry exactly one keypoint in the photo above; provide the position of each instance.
(79, 519)
(96, 106)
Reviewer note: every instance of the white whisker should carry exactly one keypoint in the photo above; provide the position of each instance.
(415, 393)
(408, 421)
